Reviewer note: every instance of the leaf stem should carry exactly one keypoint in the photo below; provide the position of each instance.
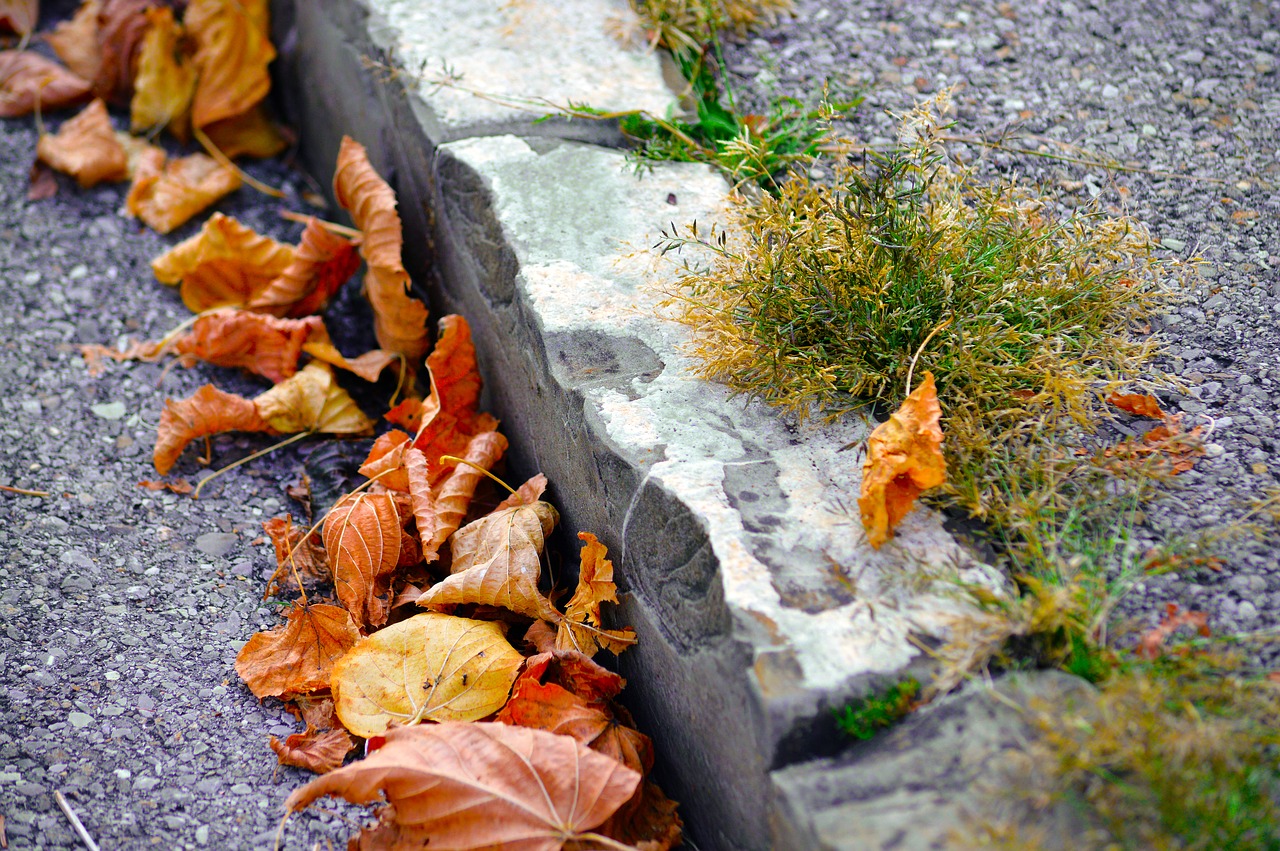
(333, 227)
(455, 459)
(23, 491)
(222, 158)
(245, 460)
(911, 369)
(605, 842)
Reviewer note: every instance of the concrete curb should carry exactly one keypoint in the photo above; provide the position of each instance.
(759, 606)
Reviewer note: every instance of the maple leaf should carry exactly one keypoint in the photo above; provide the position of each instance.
(27, 77)
(483, 785)
(208, 411)
(429, 667)
(1152, 644)
(399, 320)
(298, 657)
(313, 750)
(86, 148)
(226, 264)
(19, 16)
(75, 40)
(1137, 404)
(321, 264)
(308, 556)
(165, 194)
(233, 50)
(121, 27)
(580, 628)
(447, 505)
(312, 401)
(496, 562)
(362, 538)
(166, 79)
(904, 459)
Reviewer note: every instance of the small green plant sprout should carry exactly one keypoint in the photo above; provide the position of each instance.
(864, 718)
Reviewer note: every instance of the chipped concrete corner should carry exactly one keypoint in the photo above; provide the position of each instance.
(759, 606)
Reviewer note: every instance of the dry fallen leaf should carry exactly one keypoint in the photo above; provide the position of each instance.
(19, 16)
(233, 50)
(86, 148)
(527, 494)
(368, 365)
(316, 751)
(472, 786)
(1152, 644)
(252, 134)
(166, 78)
(206, 412)
(321, 264)
(257, 342)
(386, 461)
(1137, 404)
(496, 562)
(399, 320)
(581, 628)
(648, 821)
(75, 40)
(362, 539)
(308, 557)
(1168, 440)
(430, 667)
(225, 265)
(298, 657)
(121, 27)
(312, 401)
(904, 459)
(26, 76)
(43, 185)
(166, 194)
(447, 505)
(449, 417)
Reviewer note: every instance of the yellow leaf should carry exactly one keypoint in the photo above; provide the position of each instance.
(233, 51)
(166, 194)
(312, 401)
(166, 79)
(225, 265)
(904, 459)
(581, 627)
(430, 667)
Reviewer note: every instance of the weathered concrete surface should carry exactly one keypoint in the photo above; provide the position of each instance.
(759, 606)
(959, 762)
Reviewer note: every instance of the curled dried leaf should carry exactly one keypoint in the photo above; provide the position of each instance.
(581, 628)
(208, 411)
(386, 461)
(312, 401)
(298, 657)
(251, 134)
(226, 264)
(321, 264)
(262, 344)
(313, 750)
(904, 459)
(362, 539)
(1138, 404)
(166, 79)
(19, 16)
(75, 40)
(166, 194)
(121, 27)
(27, 77)
(86, 148)
(308, 556)
(430, 667)
(233, 50)
(368, 365)
(450, 502)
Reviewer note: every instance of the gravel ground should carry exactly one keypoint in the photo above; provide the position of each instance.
(121, 609)
(1188, 88)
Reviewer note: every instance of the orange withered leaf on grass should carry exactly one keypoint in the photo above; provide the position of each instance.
(27, 77)
(400, 320)
(430, 667)
(86, 148)
(19, 16)
(904, 459)
(362, 539)
(206, 412)
(1138, 404)
(581, 628)
(321, 264)
(76, 40)
(262, 344)
(121, 27)
(1152, 644)
(483, 785)
(166, 78)
(165, 194)
(233, 50)
(298, 657)
(314, 750)
(312, 401)
(226, 264)
(497, 562)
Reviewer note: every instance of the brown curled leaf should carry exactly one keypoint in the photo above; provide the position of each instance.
(121, 27)
(386, 461)
(226, 264)
(206, 412)
(233, 50)
(313, 750)
(298, 657)
(27, 77)
(581, 628)
(86, 148)
(165, 194)
(262, 344)
(19, 16)
(75, 40)
(321, 264)
(312, 400)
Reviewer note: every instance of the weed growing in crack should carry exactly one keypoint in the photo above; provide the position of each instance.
(864, 719)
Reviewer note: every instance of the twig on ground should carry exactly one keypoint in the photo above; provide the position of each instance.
(76, 824)
(24, 492)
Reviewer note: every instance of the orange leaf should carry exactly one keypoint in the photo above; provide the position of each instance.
(496, 562)
(399, 320)
(312, 401)
(86, 148)
(321, 264)
(483, 785)
(449, 416)
(298, 657)
(1152, 644)
(314, 751)
(166, 78)
(580, 628)
(76, 41)
(251, 134)
(233, 50)
(904, 459)
(308, 556)
(386, 461)
(368, 365)
(362, 538)
(121, 27)
(452, 499)
(576, 672)
(262, 344)
(207, 411)
(167, 194)
(19, 16)
(225, 265)
(178, 486)
(1137, 404)
(26, 76)
(527, 494)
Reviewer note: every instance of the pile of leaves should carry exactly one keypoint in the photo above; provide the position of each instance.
(201, 73)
